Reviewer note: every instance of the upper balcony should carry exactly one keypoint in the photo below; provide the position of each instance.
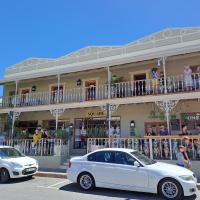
(123, 90)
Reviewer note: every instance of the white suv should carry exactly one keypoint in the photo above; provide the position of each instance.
(14, 164)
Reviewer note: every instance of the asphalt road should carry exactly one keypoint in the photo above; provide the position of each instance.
(51, 189)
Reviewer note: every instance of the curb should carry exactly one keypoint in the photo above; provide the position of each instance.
(51, 175)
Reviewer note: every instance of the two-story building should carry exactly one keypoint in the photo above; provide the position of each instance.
(149, 83)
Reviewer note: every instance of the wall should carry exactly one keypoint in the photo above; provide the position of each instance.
(137, 112)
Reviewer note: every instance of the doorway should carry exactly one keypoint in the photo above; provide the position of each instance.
(140, 83)
(25, 95)
(90, 90)
(54, 94)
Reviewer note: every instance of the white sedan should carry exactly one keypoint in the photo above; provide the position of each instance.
(127, 169)
(14, 164)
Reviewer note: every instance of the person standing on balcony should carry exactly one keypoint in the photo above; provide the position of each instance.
(188, 78)
(155, 76)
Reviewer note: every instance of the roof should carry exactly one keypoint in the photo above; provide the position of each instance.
(173, 41)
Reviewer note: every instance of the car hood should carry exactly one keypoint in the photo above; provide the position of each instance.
(169, 169)
(25, 161)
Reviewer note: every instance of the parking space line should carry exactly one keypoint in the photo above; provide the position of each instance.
(59, 183)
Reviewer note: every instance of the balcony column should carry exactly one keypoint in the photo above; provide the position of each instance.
(167, 106)
(164, 73)
(57, 113)
(163, 60)
(58, 85)
(108, 105)
(14, 115)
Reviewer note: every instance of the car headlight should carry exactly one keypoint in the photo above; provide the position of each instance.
(187, 178)
(16, 165)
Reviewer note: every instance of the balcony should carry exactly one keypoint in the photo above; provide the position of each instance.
(174, 85)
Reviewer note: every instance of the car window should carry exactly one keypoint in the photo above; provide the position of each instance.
(102, 156)
(124, 158)
(92, 157)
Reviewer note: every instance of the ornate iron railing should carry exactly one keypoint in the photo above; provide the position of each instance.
(160, 148)
(174, 84)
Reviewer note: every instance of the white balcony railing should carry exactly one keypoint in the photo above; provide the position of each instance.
(158, 148)
(46, 147)
(174, 84)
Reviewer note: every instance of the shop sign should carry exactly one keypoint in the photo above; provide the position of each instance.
(191, 116)
(95, 113)
(157, 115)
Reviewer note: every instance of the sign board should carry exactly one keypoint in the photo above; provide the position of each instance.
(95, 113)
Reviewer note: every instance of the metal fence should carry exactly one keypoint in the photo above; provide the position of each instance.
(160, 149)
(46, 147)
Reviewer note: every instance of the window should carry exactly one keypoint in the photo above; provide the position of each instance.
(124, 158)
(102, 156)
(92, 157)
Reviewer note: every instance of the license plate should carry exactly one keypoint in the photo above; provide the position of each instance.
(30, 169)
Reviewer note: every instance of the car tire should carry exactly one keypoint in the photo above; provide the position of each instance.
(86, 181)
(170, 189)
(4, 175)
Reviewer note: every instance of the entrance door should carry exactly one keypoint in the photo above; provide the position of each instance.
(54, 94)
(140, 83)
(90, 89)
(24, 96)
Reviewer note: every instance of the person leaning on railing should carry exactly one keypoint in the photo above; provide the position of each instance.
(37, 138)
(182, 158)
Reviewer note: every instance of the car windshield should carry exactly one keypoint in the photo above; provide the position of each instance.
(10, 153)
(142, 158)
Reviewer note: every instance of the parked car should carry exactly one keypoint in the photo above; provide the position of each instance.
(14, 164)
(127, 169)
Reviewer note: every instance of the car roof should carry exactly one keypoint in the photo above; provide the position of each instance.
(115, 149)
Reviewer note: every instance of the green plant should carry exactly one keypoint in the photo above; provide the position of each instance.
(116, 79)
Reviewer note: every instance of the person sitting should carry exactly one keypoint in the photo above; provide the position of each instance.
(197, 130)
(184, 131)
(163, 131)
(150, 132)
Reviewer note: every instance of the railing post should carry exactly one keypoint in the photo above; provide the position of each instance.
(151, 148)
(170, 148)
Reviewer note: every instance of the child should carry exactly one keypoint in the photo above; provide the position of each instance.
(182, 158)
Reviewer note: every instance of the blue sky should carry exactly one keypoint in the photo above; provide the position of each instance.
(53, 28)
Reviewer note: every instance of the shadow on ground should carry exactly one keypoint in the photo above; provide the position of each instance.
(114, 193)
(18, 180)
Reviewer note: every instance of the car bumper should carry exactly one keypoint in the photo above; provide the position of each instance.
(189, 188)
(23, 172)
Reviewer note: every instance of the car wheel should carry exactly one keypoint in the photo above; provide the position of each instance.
(86, 181)
(170, 189)
(4, 175)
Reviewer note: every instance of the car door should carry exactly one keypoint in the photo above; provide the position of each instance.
(102, 167)
(128, 174)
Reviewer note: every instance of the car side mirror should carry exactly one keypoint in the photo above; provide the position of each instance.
(136, 164)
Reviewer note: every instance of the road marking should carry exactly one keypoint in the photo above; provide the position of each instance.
(59, 183)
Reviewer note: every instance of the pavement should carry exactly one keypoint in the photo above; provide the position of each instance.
(43, 188)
